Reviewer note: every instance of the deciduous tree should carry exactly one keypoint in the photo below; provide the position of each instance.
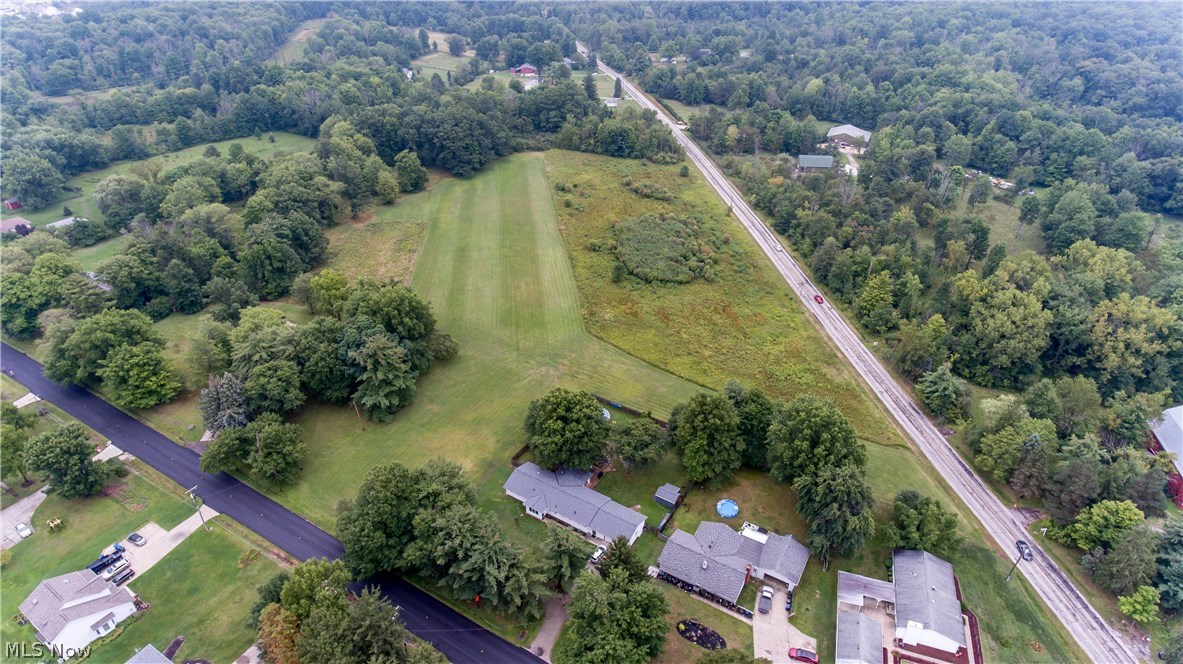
(63, 454)
(706, 434)
(567, 429)
(138, 376)
(920, 522)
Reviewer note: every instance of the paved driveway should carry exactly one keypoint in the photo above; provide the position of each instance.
(161, 542)
(21, 510)
(772, 634)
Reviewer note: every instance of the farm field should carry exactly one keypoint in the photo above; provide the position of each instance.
(492, 265)
(740, 326)
(297, 42)
(199, 591)
(83, 203)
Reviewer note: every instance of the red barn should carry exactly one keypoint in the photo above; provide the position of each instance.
(525, 69)
(12, 204)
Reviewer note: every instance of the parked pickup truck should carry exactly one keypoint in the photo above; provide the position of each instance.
(765, 599)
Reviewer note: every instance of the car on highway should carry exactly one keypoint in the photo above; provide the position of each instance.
(23, 530)
(137, 539)
(1025, 550)
(765, 599)
(596, 555)
(779, 248)
(819, 299)
(802, 655)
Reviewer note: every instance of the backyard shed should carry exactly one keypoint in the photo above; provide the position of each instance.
(668, 496)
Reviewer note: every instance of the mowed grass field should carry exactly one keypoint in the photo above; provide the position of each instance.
(746, 325)
(297, 43)
(493, 266)
(83, 204)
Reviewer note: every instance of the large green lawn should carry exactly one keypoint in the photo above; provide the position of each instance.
(83, 205)
(200, 592)
(493, 266)
(89, 526)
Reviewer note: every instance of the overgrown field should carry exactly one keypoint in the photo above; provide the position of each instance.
(746, 325)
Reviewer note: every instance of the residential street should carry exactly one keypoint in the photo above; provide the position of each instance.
(457, 637)
(1089, 629)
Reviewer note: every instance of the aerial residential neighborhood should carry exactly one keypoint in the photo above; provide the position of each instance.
(580, 333)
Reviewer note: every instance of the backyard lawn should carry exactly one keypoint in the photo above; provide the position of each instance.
(200, 591)
(89, 525)
(83, 205)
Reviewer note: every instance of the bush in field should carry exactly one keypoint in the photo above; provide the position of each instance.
(665, 248)
(648, 190)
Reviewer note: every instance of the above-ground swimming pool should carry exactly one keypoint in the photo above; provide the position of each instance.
(727, 508)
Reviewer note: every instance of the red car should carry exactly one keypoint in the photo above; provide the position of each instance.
(802, 655)
(819, 299)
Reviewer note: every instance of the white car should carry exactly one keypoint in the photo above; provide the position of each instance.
(23, 530)
(597, 554)
(115, 569)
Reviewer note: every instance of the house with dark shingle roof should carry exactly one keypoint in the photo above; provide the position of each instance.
(859, 640)
(72, 610)
(667, 495)
(564, 496)
(720, 560)
(927, 604)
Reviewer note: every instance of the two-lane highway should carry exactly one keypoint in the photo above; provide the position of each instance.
(457, 637)
(1089, 629)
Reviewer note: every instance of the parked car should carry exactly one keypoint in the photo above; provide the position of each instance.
(123, 577)
(113, 549)
(803, 655)
(137, 539)
(596, 555)
(789, 603)
(1025, 550)
(103, 562)
(118, 567)
(765, 604)
(819, 299)
(23, 530)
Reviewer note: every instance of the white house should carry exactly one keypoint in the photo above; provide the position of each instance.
(564, 496)
(72, 610)
(927, 606)
(1169, 432)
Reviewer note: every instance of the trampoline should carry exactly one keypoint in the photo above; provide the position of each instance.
(727, 508)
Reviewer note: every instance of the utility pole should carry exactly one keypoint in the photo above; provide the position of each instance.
(1013, 567)
(193, 499)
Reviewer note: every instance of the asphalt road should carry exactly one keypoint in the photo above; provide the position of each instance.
(1090, 630)
(457, 637)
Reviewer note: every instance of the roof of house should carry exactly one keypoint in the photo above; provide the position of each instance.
(716, 558)
(11, 223)
(815, 161)
(565, 495)
(62, 223)
(853, 588)
(860, 639)
(926, 593)
(148, 655)
(1169, 432)
(849, 130)
(57, 602)
(668, 492)
(525, 65)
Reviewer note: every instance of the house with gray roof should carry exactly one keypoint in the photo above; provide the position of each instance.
(848, 133)
(814, 162)
(1168, 430)
(72, 610)
(927, 602)
(859, 640)
(720, 560)
(148, 655)
(564, 496)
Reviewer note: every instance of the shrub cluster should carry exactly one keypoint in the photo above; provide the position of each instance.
(666, 248)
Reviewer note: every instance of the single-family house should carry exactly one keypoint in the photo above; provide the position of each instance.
(611, 102)
(525, 69)
(815, 162)
(564, 496)
(859, 640)
(1167, 431)
(702, 53)
(72, 610)
(667, 495)
(848, 133)
(720, 560)
(927, 602)
(64, 223)
(148, 655)
(18, 225)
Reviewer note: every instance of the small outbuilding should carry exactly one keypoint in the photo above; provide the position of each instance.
(814, 162)
(12, 204)
(848, 133)
(668, 496)
(525, 69)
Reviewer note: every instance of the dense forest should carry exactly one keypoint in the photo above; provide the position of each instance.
(1080, 323)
